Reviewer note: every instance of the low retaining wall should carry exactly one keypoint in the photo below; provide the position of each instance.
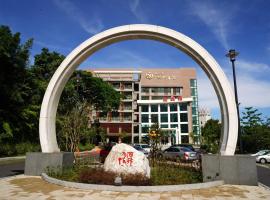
(235, 170)
(163, 188)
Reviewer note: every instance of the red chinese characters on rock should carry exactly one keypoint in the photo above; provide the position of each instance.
(126, 159)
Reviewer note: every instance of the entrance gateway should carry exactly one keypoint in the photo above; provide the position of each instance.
(220, 82)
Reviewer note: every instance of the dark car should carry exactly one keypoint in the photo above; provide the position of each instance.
(184, 145)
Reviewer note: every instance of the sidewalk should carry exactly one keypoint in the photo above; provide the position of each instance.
(34, 188)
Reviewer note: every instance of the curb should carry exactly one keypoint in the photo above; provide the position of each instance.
(164, 188)
(263, 186)
(12, 158)
(261, 165)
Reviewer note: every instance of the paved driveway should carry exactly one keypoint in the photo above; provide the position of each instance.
(11, 169)
(34, 188)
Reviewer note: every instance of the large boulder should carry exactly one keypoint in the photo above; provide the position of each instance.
(124, 159)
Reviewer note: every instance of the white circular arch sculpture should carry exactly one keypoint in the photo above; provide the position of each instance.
(47, 131)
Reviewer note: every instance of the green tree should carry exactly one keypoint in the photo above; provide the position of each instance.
(211, 135)
(155, 136)
(255, 131)
(251, 117)
(14, 60)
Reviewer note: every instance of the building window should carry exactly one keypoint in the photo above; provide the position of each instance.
(174, 125)
(145, 129)
(103, 116)
(167, 90)
(157, 97)
(184, 128)
(193, 92)
(194, 120)
(163, 108)
(145, 108)
(184, 139)
(193, 82)
(145, 90)
(183, 107)
(145, 118)
(176, 91)
(154, 118)
(115, 116)
(164, 117)
(173, 107)
(136, 129)
(196, 130)
(184, 117)
(174, 117)
(145, 97)
(127, 117)
(164, 126)
(154, 108)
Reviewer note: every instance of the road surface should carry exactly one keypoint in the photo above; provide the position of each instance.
(17, 167)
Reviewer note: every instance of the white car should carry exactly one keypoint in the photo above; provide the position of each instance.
(146, 147)
(264, 158)
(260, 153)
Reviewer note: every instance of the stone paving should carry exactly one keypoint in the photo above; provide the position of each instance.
(27, 187)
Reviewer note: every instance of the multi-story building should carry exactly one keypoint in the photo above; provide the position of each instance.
(164, 96)
(204, 116)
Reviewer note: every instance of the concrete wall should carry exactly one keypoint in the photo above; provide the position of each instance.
(237, 169)
(37, 163)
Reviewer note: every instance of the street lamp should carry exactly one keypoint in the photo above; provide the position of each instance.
(232, 55)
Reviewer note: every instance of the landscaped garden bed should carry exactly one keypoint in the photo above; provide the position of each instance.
(161, 174)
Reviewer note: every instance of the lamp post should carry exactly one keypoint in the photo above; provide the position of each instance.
(232, 55)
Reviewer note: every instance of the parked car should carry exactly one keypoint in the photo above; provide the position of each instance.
(263, 158)
(182, 153)
(184, 145)
(146, 147)
(138, 148)
(261, 152)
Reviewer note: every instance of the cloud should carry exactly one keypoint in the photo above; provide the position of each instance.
(252, 91)
(247, 66)
(206, 93)
(137, 10)
(123, 58)
(91, 24)
(216, 19)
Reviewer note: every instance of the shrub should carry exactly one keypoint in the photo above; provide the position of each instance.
(171, 174)
(96, 176)
(18, 149)
(7, 150)
(86, 147)
(161, 174)
(23, 148)
(135, 179)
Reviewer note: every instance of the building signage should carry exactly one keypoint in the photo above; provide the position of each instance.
(156, 75)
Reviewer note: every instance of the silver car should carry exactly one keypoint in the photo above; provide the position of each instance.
(260, 153)
(146, 147)
(182, 153)
(263, 158)
(138, 148)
